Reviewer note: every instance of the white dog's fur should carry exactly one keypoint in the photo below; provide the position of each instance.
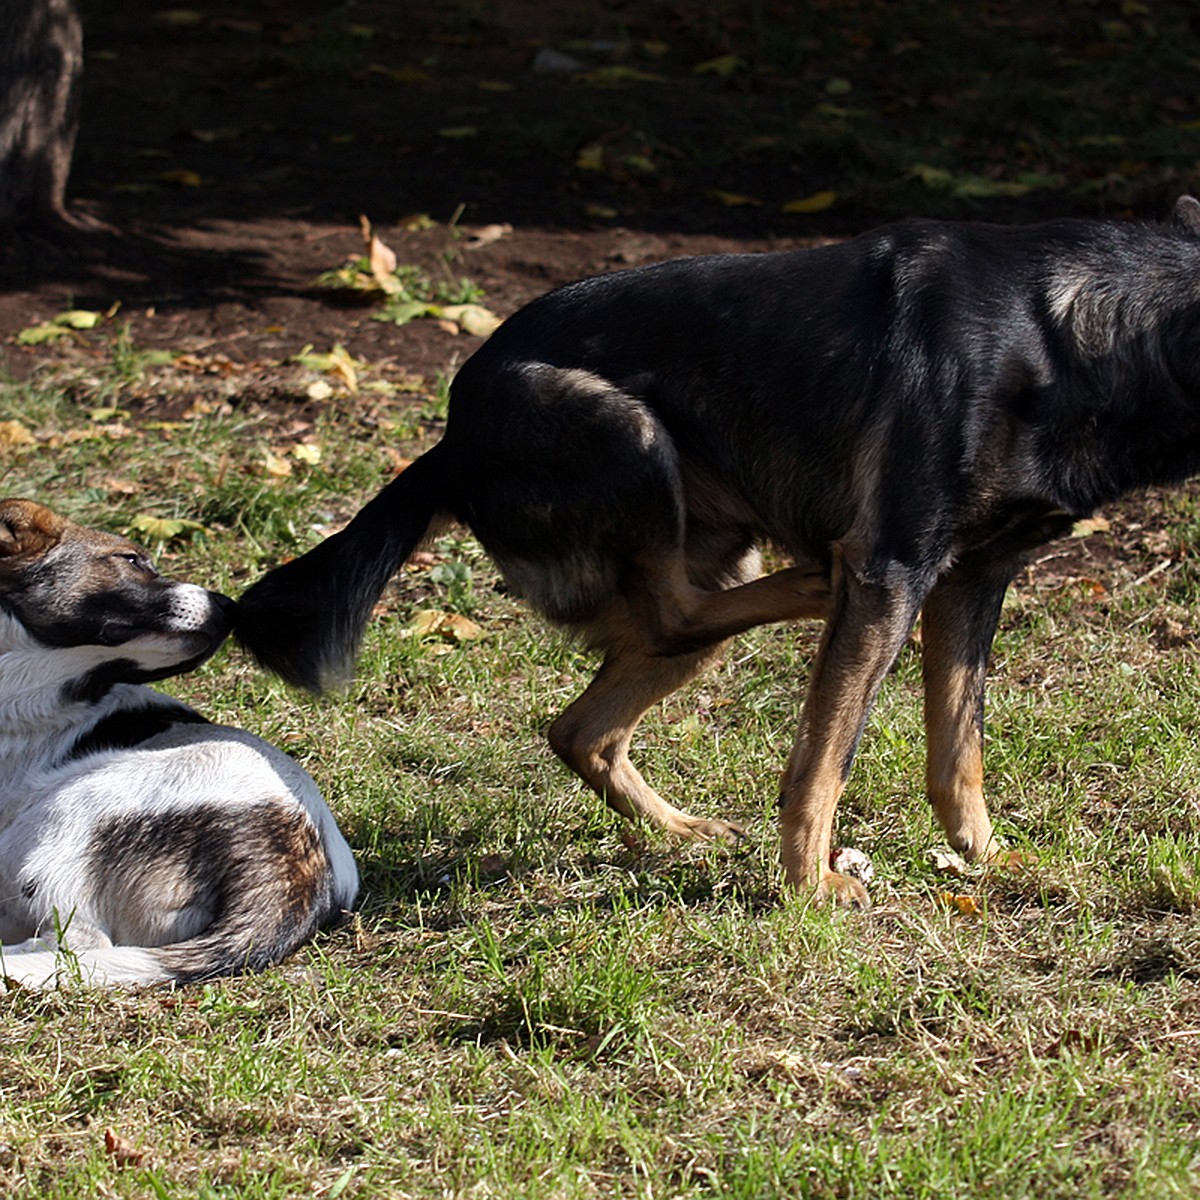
(138, 842)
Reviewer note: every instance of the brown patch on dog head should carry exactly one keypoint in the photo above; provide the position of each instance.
(28, 529)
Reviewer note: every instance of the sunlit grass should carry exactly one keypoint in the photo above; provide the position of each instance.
(539, 1000)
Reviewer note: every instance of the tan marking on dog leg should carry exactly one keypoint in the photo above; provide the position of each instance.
(866, 629)
(593, 735)
(686, 617)
(954, 666)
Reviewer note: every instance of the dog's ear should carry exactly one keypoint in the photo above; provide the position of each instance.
(26, 526)
(10, 543)
(1185, 217)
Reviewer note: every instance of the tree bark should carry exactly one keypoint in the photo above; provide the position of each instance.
(41, 68)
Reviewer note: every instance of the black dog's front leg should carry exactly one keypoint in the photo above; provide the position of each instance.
(958, 623)
(867, 626)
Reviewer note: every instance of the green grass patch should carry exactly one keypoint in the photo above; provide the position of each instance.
(537, 1000)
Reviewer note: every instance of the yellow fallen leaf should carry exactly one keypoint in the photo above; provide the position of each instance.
(591, 157)
(966, 905)
(276, 464)
(163, 529)
(452, 627)
(338, 361)
(13, 433)
(817, 202)
(181, 177)
(731, 199)
(307, 452)
(723, 67)
(472, 318)
(79, 318)
(1088, 526)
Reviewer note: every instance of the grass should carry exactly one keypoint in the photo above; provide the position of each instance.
(537, 1000)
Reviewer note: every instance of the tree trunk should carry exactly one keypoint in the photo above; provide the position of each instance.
(41, 65)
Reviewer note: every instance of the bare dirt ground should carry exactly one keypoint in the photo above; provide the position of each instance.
(234, 148)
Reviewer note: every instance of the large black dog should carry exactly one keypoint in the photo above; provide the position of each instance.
(907, 415)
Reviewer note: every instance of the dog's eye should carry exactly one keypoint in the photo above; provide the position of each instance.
(136, 560)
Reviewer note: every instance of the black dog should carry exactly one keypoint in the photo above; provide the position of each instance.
(907, 414)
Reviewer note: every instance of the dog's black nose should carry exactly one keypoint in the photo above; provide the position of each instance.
(224, 603)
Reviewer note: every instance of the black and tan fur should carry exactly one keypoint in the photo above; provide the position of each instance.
(908, 415)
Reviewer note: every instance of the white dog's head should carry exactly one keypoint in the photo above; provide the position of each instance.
(65, 587)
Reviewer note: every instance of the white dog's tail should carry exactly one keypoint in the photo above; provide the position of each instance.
(248, 902)
(112, 966)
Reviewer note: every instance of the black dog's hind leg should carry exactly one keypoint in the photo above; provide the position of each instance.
(958, 624)
(593, 735)
(575, 489)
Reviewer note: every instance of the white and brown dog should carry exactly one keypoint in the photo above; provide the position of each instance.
(138, 842)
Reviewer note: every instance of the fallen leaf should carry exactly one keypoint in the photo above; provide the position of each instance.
(949, 861)
(591, 157)
(13, 433)
(400, 312)
(472, 318)
(337, 362)
(731, 199)
(307, 452)
(164, 529)
(965, 905)
(121, 1150)
(35, 335)
(1088, 526)
(179, 16)
(453, 627)
(59, 326)
(276, 464)
(618, 74)
(726, 65)
(485, 235)
(380, 258)
(817, 202)
(226, 133)
(79, 318)
(120, 487)
(181, 177)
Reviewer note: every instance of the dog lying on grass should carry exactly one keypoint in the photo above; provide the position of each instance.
(138, 843)
(908, 415)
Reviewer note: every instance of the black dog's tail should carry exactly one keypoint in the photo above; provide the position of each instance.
(305, 619)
